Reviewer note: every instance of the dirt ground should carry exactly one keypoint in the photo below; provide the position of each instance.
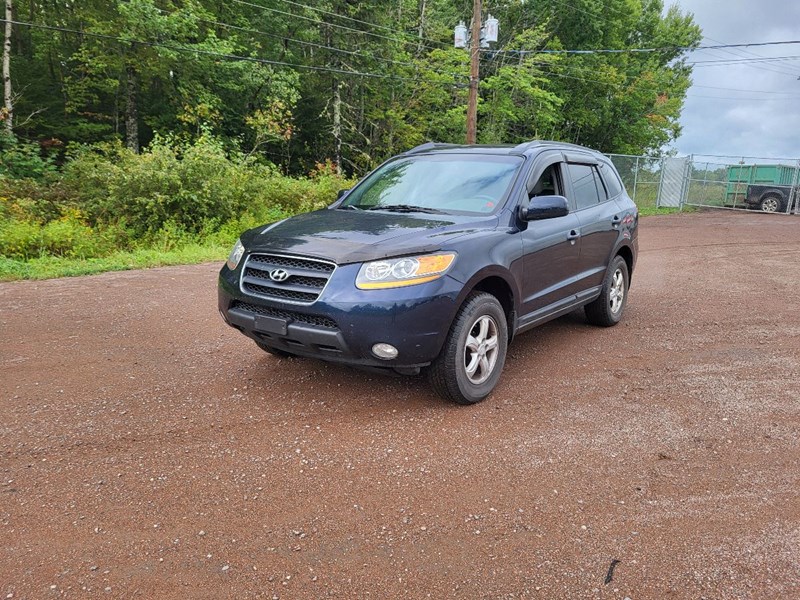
(149, 451)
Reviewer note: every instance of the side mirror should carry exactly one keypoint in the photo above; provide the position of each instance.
(341, 193)
(544, 207)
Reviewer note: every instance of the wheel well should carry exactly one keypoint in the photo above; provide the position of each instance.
(627, 255)
(769, 193)
(499, 288)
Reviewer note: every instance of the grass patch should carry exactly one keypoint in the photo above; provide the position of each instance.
(650, 211)
(49, 267)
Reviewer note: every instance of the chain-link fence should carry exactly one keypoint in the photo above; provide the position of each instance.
(736, 183)
(768, 185)
(641, 176)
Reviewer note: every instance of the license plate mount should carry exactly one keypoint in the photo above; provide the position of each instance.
(274, 325)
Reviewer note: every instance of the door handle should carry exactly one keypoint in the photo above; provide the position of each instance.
(573, 235)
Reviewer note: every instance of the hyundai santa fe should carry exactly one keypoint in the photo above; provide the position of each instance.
(436, 260)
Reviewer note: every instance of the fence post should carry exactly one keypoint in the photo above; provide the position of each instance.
(661, 164)
(635, 179)
(793, 204)
(687, 181)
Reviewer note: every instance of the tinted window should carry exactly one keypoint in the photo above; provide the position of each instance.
(613, 183)
(601, 190)
(547, 184)
(584, 185)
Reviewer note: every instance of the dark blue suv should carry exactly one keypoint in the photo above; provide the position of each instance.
(437, 259)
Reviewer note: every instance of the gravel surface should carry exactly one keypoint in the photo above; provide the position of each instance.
(149, 451)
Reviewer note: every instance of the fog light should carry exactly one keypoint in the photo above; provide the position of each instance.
(385, 351)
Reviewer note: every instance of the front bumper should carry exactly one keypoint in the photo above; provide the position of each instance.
(345, 322)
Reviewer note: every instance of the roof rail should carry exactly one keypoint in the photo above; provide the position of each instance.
(534, 143)
(526, 145)
(427, 146)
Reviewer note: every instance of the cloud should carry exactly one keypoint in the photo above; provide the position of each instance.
(763, 120)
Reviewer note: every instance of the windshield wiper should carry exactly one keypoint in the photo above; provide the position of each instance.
(349, 207)
(408, 208)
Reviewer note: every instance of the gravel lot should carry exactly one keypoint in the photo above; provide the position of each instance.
(149, 451)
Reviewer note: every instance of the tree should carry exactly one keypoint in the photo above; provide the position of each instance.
(8, 106)
(354, 82)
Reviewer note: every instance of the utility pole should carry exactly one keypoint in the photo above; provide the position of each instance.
(479, 37)
(474, 73)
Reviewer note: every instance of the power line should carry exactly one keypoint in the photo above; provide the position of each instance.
(416, 39)
(772, 68)
(343, 27)
(711, 87)
(741, 99)
(746, 60)
(733, 49)
(235, 57)
(333, 14)
(362, 73)
(725, 47)
(646, 50)
(312, 44)
(740, 52)
(719, 44)
(746, 45)
(573, 7)
(587, 80)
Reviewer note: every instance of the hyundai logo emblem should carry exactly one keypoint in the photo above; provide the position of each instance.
(278, 275)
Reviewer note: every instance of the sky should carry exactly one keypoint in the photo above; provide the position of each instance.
(760, 123)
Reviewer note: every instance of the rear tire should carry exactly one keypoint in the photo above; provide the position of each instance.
(275, 351)
(607, 309)
(471, 361)
(771, 203)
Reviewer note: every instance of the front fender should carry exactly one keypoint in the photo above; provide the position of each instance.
(496, 254)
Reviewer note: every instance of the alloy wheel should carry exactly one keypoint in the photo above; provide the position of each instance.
(770, 205)
(481, 351)
(617, 292)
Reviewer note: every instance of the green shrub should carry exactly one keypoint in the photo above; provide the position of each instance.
(185, 186)
(19, 239)
(20, 159)
(67, 237)
(173, 195)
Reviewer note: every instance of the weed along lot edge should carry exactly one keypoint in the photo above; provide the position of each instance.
(147, 449)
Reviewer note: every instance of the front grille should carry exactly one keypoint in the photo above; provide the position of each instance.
(303, 281)
(312, 282)
(276, 292)
(289, 315)
(275, 260)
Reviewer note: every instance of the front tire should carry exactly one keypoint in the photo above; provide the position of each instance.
(607, 309)
(471, 361)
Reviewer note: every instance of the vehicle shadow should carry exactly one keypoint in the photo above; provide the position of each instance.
(335, 385)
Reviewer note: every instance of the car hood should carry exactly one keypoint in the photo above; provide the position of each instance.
(349, 236)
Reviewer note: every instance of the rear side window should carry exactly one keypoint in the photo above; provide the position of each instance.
(585, 185)
(613, 183)
(601, 188)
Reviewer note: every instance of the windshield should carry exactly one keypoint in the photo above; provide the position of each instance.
(441, 183)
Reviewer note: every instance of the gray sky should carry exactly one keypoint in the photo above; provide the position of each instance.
(759, 123)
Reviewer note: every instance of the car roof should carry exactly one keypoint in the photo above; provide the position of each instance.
(524, 149)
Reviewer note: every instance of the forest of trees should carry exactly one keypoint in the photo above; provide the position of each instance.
(298, 82)
(144, 132)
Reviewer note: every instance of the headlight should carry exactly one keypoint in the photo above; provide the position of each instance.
(236, 255)
(400, 272)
